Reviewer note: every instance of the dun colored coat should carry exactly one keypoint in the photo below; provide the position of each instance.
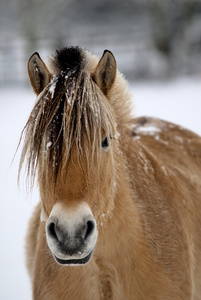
(120, 198)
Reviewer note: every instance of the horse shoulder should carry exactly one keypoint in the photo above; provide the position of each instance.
(164, 165)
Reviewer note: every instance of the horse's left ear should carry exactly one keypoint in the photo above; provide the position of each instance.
(38, 73)
(105, 72)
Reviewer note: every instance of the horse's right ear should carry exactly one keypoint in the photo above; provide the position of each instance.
(38, 73)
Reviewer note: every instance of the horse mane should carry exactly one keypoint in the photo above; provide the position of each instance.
(70, 110)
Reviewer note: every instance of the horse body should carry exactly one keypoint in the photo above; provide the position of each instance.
(120, 220)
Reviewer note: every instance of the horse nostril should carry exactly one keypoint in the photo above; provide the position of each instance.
(51, 229)
(90, 228)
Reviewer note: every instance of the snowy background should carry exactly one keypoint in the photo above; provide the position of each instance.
(157, 45)
(178, 101)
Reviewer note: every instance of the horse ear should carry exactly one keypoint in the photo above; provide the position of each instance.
(105, 72)
(38, 73)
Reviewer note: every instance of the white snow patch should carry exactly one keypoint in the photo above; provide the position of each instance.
(164, 170)
(49, 144)
(146, 167)
(141, 155)
(144, 161)
(69, 99)
(117, 135)
(179, 139)
(137, 137)
(52, 88)
(149, 130)
(164, 142)
(157, 138)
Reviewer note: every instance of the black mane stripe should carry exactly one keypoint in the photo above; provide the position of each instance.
(68, 58)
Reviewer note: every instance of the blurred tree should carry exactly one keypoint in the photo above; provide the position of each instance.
(169, 21)
(165, 25)
(167, 31)
(43, 19)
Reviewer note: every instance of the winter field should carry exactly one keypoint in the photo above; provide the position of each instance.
(177, 101)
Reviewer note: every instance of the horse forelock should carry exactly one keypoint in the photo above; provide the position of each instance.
(66, 59)
(70, 111)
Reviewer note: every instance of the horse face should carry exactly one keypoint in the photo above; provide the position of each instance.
(72, 156)
(74, 207)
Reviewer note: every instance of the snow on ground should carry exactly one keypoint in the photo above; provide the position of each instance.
(178, 101)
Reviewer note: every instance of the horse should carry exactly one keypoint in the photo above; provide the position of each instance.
(119, 215)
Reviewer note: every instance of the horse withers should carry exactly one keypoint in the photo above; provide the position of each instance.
(119, 215)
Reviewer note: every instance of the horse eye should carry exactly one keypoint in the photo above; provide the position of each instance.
(105, 144)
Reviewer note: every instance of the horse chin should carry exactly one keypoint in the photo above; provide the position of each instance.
(81, 261)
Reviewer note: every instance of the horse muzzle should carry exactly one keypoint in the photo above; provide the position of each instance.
(71, 234)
